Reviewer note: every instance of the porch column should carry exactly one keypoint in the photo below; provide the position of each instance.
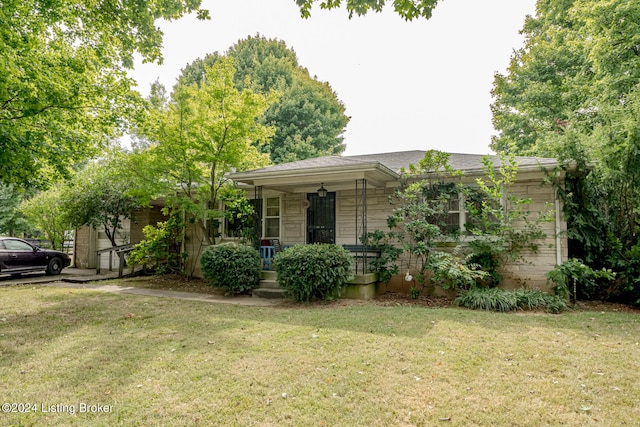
(361, 222)
(257, 204)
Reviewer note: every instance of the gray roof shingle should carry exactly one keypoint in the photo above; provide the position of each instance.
(397, 160)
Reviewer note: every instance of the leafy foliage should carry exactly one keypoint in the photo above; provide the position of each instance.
(241, 216)
(193, 140)
(310, 272)
(160, 248)
(575, 280)
(627, 287)
(452, 270)
(46, 211)
(496, 299)
(100, 196)
(503, 227)
(64, 93)
(307, 117)
(573, 92)
(418, 226)
(408, 9)
(236, 269)
(386, 264)
(12, 222)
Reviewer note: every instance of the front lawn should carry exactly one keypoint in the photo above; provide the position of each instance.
(158, 361)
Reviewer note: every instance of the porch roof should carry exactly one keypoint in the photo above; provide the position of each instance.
(296, 176)
(378, 169)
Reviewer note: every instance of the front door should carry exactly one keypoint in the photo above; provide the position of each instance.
(321, 218)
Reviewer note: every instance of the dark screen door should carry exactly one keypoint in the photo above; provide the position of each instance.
(321, 218)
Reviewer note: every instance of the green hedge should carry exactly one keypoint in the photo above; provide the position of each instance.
(309, 272)
(236, 269)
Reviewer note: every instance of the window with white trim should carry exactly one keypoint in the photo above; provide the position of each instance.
(457, 214)
(271, 222)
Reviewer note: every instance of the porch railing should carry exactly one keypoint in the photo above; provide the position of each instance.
(120, 251)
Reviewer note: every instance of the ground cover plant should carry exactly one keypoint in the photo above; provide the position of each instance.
(154, 361)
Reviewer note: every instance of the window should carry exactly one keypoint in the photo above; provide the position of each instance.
(483, 209)
(447, 206)
(17, 245)
(272, 218)
(456, 217)
(269, 208)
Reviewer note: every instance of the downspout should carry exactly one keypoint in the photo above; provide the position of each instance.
(558, 230)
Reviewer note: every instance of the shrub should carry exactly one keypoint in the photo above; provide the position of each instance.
(576, 280)
(309, 272)
(160, 249)
(236, 269)
(495, 299)
(450, 270)
(626, 288)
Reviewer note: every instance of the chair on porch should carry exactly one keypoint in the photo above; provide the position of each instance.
(277, 245)
(267, 252)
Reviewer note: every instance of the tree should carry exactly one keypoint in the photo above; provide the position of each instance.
(63, 89)
(45, 210)
(308, 117)
(572, 92)
(578, 58)
(100, 196)
(12, 222)
(202, 133)
(408, 9)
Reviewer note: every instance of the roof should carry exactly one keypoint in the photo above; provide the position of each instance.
(464, 162)
(382, 167)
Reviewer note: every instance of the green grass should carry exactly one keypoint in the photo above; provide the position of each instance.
(166, 362)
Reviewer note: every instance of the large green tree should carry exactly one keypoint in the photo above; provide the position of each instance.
(196, 137)
(46, 213)
(100, 196)
(579, 58)
(573, 91)
(308, 117)
(63, 89)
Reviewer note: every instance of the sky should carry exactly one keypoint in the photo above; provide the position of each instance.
(417, 85)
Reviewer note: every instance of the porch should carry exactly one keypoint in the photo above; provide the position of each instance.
(362, 286)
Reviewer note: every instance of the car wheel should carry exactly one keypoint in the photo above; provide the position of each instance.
(55, 267)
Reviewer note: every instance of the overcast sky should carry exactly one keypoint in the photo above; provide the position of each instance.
(405, 85)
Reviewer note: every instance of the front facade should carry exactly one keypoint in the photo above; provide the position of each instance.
(339, 199)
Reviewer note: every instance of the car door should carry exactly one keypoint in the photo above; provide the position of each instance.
(4, 257)
(23, 257)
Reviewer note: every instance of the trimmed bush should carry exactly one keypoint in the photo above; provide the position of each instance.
(495, 299)
(309, 272)
(236, 269)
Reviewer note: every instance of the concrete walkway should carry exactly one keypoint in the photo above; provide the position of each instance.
(87, 279)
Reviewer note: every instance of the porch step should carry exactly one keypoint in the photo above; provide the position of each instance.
(268, 275)
(269, 284)
(269, 287)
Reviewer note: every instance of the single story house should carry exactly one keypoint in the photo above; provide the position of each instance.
(338, 199)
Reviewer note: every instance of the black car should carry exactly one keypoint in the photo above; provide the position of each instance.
(18, 256)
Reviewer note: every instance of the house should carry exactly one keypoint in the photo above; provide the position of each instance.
(338, 199)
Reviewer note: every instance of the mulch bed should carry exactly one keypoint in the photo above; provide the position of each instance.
(389, 299)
